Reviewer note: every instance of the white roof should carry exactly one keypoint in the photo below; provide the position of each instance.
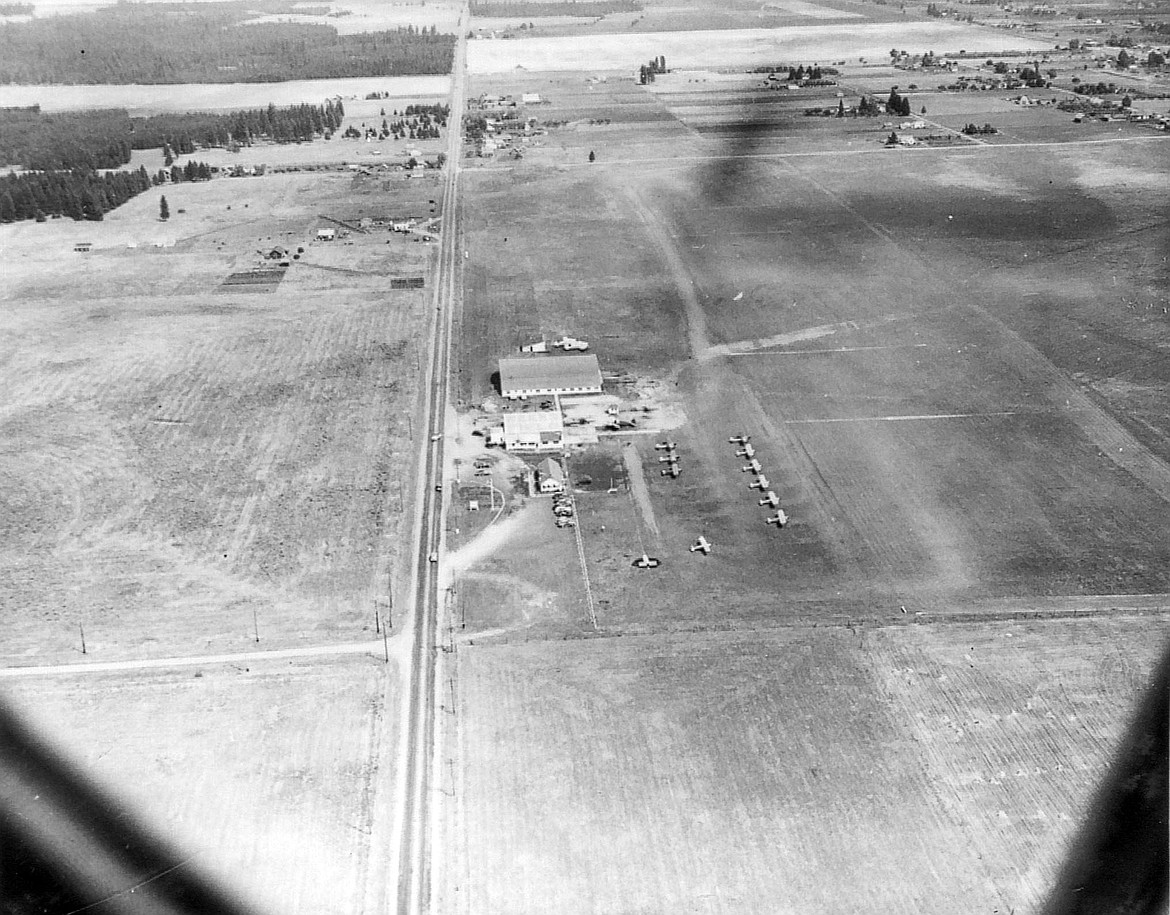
(533, 423)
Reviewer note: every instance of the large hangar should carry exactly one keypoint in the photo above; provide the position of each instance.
(546, 376)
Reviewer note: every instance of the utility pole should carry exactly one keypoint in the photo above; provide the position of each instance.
(385, 645)
(256, 627)
(377, 619)
(82, 628)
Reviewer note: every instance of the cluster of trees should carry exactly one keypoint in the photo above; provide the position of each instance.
(798, 74)
(417, 122)
(508, 9)
(85, 140)
(1095, 89)
(647, 72)
(898, 104)
(103, 139)
(192, 171)
(77, 194)
(206, 43)
(972, 130)
(183, 133)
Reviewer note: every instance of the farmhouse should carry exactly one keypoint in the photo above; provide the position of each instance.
(544, 376)
(83, 247)
(552, 476)
(326, 234)
(544, 431)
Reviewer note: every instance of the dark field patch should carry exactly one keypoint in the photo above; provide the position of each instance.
(262, 279)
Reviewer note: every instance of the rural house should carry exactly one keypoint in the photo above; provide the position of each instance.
(552, 476)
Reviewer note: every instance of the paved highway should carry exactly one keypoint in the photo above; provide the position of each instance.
(414, 863)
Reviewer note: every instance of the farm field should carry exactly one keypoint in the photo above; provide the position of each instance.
(188, 458)
(145, 100)
(736, 47)
(901, 769)
(266, 775)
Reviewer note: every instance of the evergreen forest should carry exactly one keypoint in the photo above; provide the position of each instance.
(168, 43)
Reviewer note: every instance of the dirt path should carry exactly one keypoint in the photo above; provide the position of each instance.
(696, 319)
(640, 493)
(96, 667)
(491, 539)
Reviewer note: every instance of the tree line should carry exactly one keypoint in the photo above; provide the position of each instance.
(503, 9)
(102, 139)
(76, 194)
(206, 43)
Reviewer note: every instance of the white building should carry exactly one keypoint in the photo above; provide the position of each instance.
(544, 431)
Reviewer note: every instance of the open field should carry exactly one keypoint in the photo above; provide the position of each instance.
(356, 15)
(147, 100)
(736, 47)
(905, 769)
(263, 774)
(179, 457)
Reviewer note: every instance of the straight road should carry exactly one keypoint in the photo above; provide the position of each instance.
(414, 864)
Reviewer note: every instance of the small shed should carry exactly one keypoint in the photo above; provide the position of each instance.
(326, 234)
(83, 247)
(552, 476)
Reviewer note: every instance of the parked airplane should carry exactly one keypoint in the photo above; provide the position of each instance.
(740, 439)
(646, 562)
(670, 471)
(771, 499)
(671, 458)
(761, 483)
(666, 446)
(779, 519)
(746, 451)
(702, 545)
(754, 467)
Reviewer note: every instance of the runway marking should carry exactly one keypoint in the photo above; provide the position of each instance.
(893, 419)
(742, 347)
(811, 352)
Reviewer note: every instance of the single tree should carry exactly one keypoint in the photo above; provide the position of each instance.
(592, 156)
(164, 211)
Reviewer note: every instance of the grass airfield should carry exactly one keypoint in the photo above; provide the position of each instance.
(949, 362)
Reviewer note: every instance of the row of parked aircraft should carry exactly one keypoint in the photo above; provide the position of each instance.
(670, 459)
(761, 482)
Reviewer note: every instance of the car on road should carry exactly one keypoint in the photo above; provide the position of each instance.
(434, 557)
